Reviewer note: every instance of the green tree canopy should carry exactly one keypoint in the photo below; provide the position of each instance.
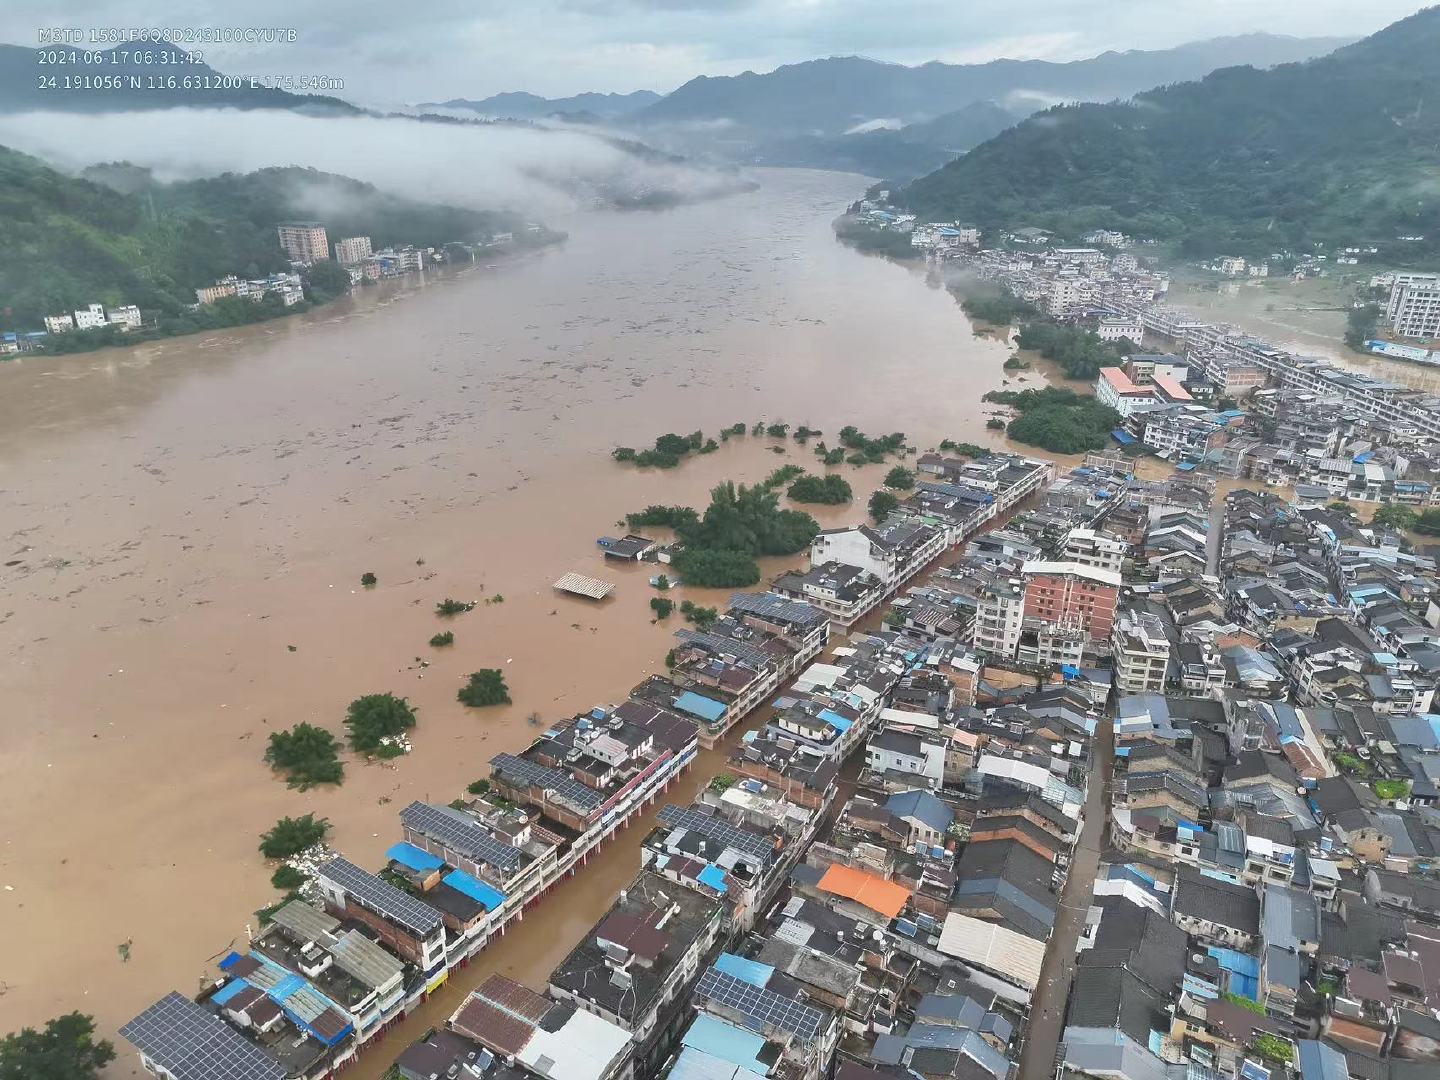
(65, 1050)
(307, 754)
(485, 687)
(290, 836)
(881, 504)
(375, 717)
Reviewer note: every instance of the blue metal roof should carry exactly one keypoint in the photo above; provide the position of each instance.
(1123, 437)
(228, 991)
(474, 888)
(713, 1036)
(836, 721)
(699, 705)
(750, 971)
(413, 858)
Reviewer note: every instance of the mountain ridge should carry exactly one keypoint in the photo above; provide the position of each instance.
(1336, 149)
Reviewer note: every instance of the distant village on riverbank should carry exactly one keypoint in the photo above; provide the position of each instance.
(306, 245)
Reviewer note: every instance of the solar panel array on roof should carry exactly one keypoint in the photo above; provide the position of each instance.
(460, 833)
(717, 829)
(765, 1006)
(192, 1043)
(773, 606)
(542, 776)
(396, 905)
(752, 655)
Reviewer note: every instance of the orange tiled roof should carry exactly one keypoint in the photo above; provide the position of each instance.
(877, 894)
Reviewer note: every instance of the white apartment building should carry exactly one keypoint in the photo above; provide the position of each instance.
(893, 552)
(91, 318)
(352, 250)
(1090, 548)
(127, 317)
(1115, 327)
(1142, 653)
(304, 241)
(1065, 294)
(59, 324)
(999, 618)
(1414, 306)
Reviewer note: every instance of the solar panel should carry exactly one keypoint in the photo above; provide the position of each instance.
(763, 1005)
(542, 776)
(773, 606)
(717, 829)
(459, 832)
(752, 655)
(395, 904)
(191, 1043)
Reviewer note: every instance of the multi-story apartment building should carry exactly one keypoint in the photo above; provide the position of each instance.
(1142, 653)
(304, 241)
(894, 552)
(90, 318)
(1069, 593)
(1413, 309)
(636, 966)
(352, 250)
(1087, 547)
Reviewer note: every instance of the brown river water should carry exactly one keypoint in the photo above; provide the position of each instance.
(177, 516)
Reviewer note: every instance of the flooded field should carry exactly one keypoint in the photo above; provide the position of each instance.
(1307, 317)
(185, 525)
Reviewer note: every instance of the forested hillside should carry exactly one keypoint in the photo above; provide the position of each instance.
(1341, 149)
(70, 241)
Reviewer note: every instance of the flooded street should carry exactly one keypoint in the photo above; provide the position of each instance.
(185, 524)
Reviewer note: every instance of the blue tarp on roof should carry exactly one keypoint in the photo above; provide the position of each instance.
(474, 888)
(1243, 969)
(230, 961)
(1123, 437)
(713, 876)
(750, 971)
(699, 705)
(835, 720)
(228, 991)
(413, 858)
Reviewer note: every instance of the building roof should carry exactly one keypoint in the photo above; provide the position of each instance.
(192, 1043)
(871, 890)
(1003, 952)
(923, 806)
(1234, 906)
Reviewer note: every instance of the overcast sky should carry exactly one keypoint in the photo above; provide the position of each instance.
(437, 49)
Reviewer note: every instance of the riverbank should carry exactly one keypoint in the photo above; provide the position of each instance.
(233, 314)
(182, 512)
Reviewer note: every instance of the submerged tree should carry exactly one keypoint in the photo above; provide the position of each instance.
(65, 1050)
(307, 754)
(290, 836)
(376, 717)
(486, 687)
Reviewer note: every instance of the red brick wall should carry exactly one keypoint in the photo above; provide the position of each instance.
(1060, 598)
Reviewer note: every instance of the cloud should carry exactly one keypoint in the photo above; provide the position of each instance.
(875, 125)
(547, 171)
(472, 48)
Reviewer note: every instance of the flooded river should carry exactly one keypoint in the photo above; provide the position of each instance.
(185, 524)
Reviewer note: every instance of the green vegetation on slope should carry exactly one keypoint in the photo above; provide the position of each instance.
(1339, 149)
(73, 241)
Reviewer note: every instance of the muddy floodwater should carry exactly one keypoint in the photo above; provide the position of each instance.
(185, 524)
